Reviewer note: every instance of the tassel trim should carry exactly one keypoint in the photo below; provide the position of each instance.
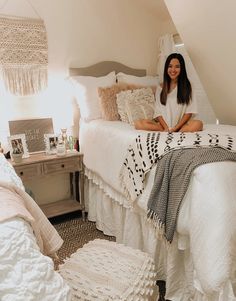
(25, 80)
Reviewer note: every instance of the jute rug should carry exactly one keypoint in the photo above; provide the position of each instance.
(75, 232)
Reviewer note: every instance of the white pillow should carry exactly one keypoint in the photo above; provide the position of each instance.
(86, 94)
(136, 104)
(147, 80)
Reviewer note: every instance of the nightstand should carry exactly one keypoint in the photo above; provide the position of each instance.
(42, 165)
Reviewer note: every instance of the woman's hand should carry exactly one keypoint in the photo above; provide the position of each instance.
(162, 122)
(172, 130)
(182, 122)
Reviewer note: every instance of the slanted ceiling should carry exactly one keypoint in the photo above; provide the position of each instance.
(207, 29)
(157, 7)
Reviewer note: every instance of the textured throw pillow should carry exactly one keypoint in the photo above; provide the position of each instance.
(108, 99)
(147, 80)
(86, 94)
(136, 104)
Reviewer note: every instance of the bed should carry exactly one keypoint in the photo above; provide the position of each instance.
(27, 243)
(199, 263)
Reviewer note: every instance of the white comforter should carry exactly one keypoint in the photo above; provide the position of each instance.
(206, 224)
(25, 273)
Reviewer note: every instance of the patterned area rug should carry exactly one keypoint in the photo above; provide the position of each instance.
(75, 232)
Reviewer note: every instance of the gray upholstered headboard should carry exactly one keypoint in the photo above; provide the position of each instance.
(103, 68)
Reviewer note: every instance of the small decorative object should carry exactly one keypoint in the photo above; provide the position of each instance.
(71, 143)
(17, 155)
(64, 137)
(76, 146)
(61, 148)
(51, 141)
(17, 144)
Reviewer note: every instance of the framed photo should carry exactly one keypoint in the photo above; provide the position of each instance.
(34, 130)
(51, 141)
(17, 144)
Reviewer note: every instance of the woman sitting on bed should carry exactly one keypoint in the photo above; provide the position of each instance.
(175, 106)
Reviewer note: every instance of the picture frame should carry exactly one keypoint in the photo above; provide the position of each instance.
(34, 130)
(51, 141)
(18, 142)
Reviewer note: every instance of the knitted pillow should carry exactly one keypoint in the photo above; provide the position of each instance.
(136, 104)
(108, 102)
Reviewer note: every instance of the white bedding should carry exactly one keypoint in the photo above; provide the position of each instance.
(25, 273)
(203, 249)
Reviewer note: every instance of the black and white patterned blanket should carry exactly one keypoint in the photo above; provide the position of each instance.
(149, 147)
(172, 177)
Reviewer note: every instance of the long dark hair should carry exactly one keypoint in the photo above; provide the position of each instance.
(184, 92)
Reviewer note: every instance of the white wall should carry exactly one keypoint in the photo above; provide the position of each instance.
(83, 32)
(207, 29)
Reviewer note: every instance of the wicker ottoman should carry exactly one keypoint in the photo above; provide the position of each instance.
(103, 270)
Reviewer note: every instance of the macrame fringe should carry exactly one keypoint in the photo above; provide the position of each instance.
(25, 80)
(158, 225)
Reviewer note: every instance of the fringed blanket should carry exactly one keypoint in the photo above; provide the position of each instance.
(149, 147)
(173, 173)
(23, 55)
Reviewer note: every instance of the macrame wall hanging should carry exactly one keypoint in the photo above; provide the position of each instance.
(23, 54)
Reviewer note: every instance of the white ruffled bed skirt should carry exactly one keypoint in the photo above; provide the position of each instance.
(131, 228)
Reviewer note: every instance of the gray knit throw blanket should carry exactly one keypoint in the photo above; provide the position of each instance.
(23, 55)
(173, 173)
(149, 147)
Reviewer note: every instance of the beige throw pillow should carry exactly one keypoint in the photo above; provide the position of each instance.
(136, 104)
(108, 103)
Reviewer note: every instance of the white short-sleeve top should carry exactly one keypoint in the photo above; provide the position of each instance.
(172, 112)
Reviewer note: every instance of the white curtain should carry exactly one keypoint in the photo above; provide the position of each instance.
(166, 46)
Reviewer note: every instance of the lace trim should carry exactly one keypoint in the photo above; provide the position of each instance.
(107, 189)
